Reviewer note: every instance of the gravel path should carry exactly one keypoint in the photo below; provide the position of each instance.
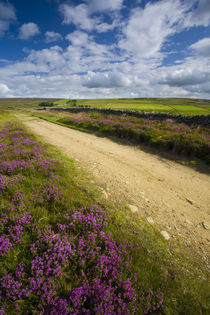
(176, 197)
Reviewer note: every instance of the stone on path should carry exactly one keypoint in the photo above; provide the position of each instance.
(190, 201)
(165, 235)
(150, 220)
(205, 225)
(133, 208)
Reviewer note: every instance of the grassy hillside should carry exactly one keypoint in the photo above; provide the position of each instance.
(168, 105)
(16, 103)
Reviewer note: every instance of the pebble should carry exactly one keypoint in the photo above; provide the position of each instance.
(205, 225)
(188, 221)
(190, 201)
(150, 220)
(133, 208)
(105, 194)
(165, 235)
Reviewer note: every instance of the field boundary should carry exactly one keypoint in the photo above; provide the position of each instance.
(191, 120)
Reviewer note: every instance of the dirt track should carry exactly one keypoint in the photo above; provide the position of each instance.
(175, 196)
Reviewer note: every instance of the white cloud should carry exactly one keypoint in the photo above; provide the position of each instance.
(133, 66)
(28, 30)
(78, 15)
(104, 5)
(202, 47)
(7, 17)
(52, 37)
(78, 38)
(106, 80)
(192, 76)
(147, 29)
(4, 90)
(200, 15)
(81, 15)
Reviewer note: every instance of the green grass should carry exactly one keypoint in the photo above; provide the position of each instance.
(162, 264)
(168, 105)
(22, 103)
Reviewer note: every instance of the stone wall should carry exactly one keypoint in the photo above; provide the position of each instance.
(194, 120)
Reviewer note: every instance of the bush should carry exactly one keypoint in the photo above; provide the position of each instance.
(46, 104)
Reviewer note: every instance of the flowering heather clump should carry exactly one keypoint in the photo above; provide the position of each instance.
(69, 264)
(160, 134)
(11, 231)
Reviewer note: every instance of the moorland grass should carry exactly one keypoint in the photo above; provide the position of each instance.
(153, 275)
(178, 139)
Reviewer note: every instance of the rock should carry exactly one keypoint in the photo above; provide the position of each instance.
(133, 208)
(168, 227)
(165, 235)
(205, 225)
(190, 201)
(105, 194)
(188, 221)
(150, 220)
(92, 181)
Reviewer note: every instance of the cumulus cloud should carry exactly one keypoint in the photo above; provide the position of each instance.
(147, 29)
(52, 37)
(78, 38)
(106, 80)
(104, 5)
(202, 47)
(7, 16)
(81, 15)
(199, 14)
(132, 66)
(77, 15)
(4, 90)
(28, 30)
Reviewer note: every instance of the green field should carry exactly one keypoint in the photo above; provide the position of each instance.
(168, 105)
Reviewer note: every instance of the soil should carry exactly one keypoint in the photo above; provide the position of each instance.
(176, 197)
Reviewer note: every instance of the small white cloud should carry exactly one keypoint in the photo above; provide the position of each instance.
(77, 15)
(105, 27)
(78, 38)
(4, 90)
(104, 5)
(202, 47)
(52, 37)
(7, 17)
(28, 30)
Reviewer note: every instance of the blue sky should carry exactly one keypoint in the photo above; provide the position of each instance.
(105, 48)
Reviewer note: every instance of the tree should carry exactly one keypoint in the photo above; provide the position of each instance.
(46, 104)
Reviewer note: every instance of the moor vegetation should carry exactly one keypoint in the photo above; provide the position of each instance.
(179, 139)
(62, 252)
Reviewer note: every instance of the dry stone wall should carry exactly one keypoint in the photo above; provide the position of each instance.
(190, 120)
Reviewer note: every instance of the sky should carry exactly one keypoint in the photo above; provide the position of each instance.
(105, 48)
